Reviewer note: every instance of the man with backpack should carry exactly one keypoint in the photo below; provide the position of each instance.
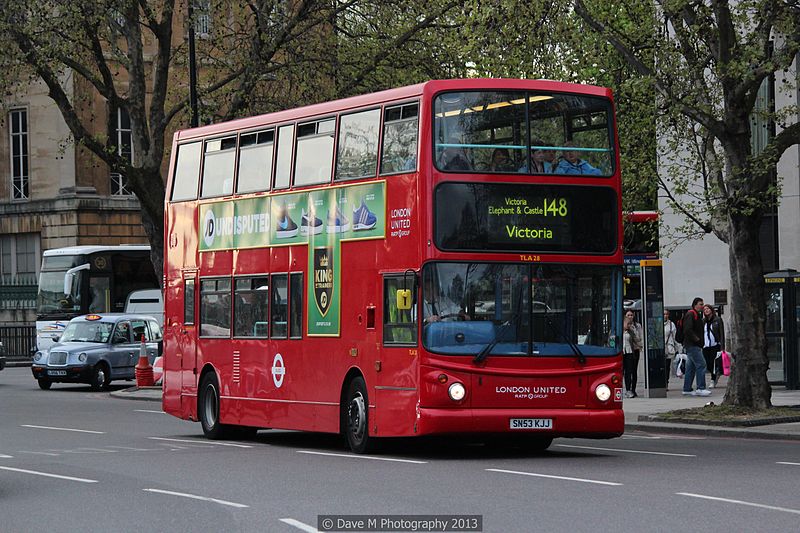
(692, 329)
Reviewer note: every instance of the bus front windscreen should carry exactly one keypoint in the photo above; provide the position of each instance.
(520, 309)
(51, 298)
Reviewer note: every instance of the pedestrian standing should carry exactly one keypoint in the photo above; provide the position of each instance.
(631, 348)
(670, 344)
(713, 341)
(693, 346)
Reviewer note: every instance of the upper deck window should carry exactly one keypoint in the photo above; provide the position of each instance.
(255, 161)
(400, 130)
(218, 167)
(488, 132)
(187, 172)
(283, 162)
(358, 145)
(314, 157)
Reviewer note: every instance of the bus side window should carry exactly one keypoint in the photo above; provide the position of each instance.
(399, 326)
(278, 306)
(400, 130)
(188, 302)
(296, 306)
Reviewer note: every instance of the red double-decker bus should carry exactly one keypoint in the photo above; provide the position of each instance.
(443, 258)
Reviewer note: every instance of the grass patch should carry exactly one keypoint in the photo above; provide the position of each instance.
(732, 415)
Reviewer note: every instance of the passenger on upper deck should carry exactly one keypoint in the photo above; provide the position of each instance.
(540, 163)
(501, 161)
(572, 164)
(453, 156)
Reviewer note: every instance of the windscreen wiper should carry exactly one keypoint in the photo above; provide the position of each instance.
(484, 353)
(574, 347)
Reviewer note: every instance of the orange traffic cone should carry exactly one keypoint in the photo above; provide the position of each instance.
(144, 372)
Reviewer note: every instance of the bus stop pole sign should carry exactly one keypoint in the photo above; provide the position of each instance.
(655, 368)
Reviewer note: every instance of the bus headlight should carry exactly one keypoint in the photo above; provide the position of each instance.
(82, 358)
(457, 392)
(602, 392)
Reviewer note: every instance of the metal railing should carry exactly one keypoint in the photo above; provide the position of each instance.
(18, 341)
(18, 292)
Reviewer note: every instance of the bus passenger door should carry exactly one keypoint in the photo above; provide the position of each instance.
(187, 346)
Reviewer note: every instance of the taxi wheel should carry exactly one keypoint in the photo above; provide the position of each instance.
(208, 409)
(101, 377)
(356, 417)
(45, 384)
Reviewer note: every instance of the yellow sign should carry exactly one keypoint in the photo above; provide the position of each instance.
(650, 263)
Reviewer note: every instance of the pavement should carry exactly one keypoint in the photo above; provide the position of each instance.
(639, 410)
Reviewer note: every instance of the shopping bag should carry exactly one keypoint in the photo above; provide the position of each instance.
(726, 363)
(680, 365)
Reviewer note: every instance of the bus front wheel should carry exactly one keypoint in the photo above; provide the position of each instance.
(356, 414)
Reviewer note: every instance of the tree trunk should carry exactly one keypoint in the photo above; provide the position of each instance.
(748, 385)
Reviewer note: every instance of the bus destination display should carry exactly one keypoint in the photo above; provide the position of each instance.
(525, 217)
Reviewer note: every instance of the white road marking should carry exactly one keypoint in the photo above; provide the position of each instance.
(625, 451)
(45, 474)
(2, 456)
(299, 525)
(132, 449)
(90, 450)
(50, 454)
(787, 463)
(740, 502)
(64, 429)
(351, 456)
(196, 497)
(565, 478)
(149, 411)
(204, 442)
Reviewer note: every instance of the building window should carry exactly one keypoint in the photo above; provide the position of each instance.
(18, 254)
(202, 17)
(121, 124)
(20, 183)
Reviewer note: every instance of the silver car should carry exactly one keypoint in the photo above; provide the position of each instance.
(97, 349)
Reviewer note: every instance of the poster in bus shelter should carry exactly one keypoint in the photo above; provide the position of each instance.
(235, 224)
(324, 263)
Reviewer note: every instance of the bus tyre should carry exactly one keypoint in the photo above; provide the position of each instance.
(101, 377)
(208, 409)
(45, 384)
(356, 417)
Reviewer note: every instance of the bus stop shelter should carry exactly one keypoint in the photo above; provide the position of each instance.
(783, 327)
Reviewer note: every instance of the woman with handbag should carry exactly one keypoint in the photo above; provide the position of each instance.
(670, 344)
(631, 348)
(713, 341)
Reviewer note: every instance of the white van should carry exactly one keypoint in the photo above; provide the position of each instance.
(146, 302)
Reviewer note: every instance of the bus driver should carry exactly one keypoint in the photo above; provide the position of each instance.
(436, 306)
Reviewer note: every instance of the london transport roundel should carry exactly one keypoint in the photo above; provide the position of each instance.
(278, 370)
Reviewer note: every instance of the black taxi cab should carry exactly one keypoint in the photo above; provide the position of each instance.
(97, 349)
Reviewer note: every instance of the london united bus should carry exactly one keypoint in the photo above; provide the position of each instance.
(77, 280)
(443, 258)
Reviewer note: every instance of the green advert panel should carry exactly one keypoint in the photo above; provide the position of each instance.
(324, 265)
(234, 224)
(251, 222)
(216, 226)
(364, 208)
(290, 220)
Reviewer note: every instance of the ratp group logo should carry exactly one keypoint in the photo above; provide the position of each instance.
(209, 227)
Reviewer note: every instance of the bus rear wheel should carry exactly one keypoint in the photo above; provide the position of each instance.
(208, 409)
(356, 417)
